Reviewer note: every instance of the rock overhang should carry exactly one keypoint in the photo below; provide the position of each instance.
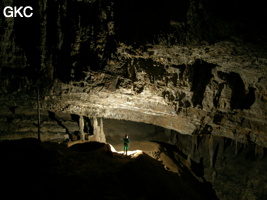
(96, 64)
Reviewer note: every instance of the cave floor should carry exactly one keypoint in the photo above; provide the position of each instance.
(36, 170)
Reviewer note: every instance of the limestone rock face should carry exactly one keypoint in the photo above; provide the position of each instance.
(100, 59)
(191, 96)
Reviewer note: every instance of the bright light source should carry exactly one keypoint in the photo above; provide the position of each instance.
(133, 154)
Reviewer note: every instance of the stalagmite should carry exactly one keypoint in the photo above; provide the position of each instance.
(211, 151)
(81, 127)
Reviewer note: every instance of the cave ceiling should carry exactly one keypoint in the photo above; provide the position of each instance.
(196, 67)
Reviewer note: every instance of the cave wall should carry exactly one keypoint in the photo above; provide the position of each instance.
(195, 67)
(235, 170)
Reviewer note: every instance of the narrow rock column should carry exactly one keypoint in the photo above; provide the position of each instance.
(194, 143)
(81, 126)
(99, 130)
(211, 151)
(96, 129)
(102, 134)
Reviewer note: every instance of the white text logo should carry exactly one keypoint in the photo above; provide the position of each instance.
(18, 12)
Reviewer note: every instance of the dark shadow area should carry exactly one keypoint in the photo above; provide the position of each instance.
(87, 147)
(218, 117)
(88, 128)
(240, 99)
(52, 116)
(198, 168)
(205, 187)
(75, 118)
(199, 75)
(86, 171)
(249, 18)
(140, 22)
(233, 163)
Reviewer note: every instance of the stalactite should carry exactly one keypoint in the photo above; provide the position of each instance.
(211, 151)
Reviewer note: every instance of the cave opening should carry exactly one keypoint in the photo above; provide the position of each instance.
(140, 134)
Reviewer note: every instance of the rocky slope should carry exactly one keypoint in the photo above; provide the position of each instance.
(90, 171)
